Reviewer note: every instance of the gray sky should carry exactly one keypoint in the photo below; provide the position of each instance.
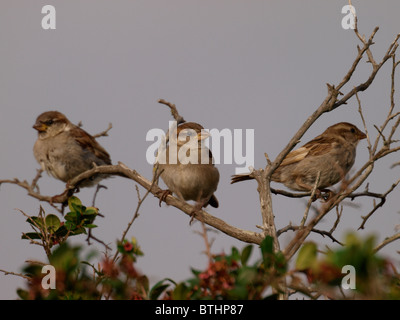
(259, 65)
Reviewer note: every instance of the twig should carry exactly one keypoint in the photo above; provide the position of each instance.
(296, 287)
(16, 274)
(380, 204)
(323, 233)
(206, 241)
(41, 230)
(363, 121)
(395, 164)
(387, 241)
(310, 200)
(174, 112)
(91, 236)
(290, 194)
(30, 187)
(338, 215)
(36, 179)
(98, 187)
(140, 202)
(103, 133)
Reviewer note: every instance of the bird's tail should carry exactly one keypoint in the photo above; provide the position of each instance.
(241, 177)
(213, 202)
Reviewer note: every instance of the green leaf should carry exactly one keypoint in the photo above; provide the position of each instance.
(267, 245)
(66, 258)
(180, 292)
(99, 273)
(31, 235)
(74, 204)
(239, 292)
(91, 211)
(36, 222)
(280, 263)
(71, 216)
(62, 231)
(90, 226)
(246, 275)
(195, 271)
(267, 250)
(70, 225)
(79, 230)
(246, 253)
(143, 282)
(52, 222)
(352, 240)
(159, 288)
(307, 256)
(23, 294)
(235, 255)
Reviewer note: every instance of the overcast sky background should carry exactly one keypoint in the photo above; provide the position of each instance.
(259, 65)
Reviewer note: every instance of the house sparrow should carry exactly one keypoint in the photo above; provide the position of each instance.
(190, 173)
(64, 150)
(331, 155)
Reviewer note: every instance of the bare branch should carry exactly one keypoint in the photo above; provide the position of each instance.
(330, 103)
(387, 241)
(15, 274)
(310, 200)
(363, 121)
(323, 233)
(104, 133)
(380, 204)
(174, 112)
(122, 170)
(338, 215)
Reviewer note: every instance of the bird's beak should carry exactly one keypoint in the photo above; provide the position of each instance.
(361, 135)
(41, 127)
(203, 135)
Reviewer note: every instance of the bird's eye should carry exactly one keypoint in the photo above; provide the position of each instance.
(49, 122)
(352, 130)
(190, 133)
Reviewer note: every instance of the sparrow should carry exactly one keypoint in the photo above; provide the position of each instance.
(65, 150)
(330, 155)
(187, 167)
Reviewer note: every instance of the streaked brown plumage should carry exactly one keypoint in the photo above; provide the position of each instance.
(332, 154)
(196, 180)
(64, 150)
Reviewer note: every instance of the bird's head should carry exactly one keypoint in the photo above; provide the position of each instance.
(191, 132)
(50, 123)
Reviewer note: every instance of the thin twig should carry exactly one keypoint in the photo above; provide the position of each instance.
(338, 216)
(103, 133)
(140, 202)
(387, 241)
(363, 121)
(380, 204)
(174, 112)
(323, 233)
(98, 187)
(310, 200)
(16, 274)
(206, 241)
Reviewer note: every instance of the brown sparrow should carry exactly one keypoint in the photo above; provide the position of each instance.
(187, 168)
(64, 150)
(330, 155)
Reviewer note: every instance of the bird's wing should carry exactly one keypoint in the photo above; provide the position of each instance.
(295, 156)
(86, 141)
(316, 147)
